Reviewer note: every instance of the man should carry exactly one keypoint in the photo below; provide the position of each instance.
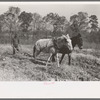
(15, 43)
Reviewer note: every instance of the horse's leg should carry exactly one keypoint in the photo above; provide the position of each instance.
(14, 50)
(57, 60)
(53, 58)
(62, 58)
(36, 53)
(48, 59)
(17, 48)
(69, 57)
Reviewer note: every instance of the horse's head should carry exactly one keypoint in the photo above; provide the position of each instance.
(66, 41)
(63, 40)
(79, 41)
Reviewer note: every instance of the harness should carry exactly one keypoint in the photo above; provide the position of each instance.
(55, 44)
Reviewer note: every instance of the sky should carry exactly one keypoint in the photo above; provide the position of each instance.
(66, 9)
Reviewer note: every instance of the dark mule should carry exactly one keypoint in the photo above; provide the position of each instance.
(51, 46)
(76, 40)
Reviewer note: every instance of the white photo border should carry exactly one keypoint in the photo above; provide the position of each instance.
(33, 89)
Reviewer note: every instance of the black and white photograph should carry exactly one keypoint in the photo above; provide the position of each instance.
(49, 41)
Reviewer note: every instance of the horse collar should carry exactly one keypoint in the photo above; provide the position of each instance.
(55, 44)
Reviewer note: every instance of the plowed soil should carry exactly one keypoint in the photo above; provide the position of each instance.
(85, 66)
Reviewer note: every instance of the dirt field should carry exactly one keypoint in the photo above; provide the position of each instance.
(22, 67)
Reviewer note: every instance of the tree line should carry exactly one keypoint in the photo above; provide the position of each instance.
(32, 25)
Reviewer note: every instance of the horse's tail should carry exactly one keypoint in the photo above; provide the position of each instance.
(34, 49)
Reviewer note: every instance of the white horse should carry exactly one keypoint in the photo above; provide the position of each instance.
(51, 46)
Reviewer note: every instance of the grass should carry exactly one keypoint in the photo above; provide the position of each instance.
(22, 67)
(93, 45)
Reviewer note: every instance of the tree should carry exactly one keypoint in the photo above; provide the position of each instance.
(1, 21)
(11, 22)
(79, 22)
(25, 19)
(94, 23)
(11, 19)
(51, 17)
(83, 20)
(50, 20)
(37, 24)
(58, 22)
